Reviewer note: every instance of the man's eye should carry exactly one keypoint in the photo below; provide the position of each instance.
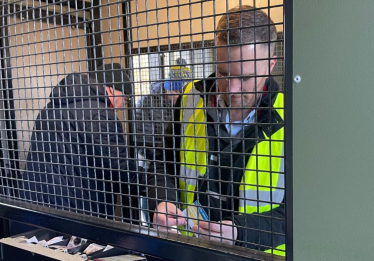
(247, 78)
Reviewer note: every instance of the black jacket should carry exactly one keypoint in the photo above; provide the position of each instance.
(254, 230)
(153, 115)
(77, 157)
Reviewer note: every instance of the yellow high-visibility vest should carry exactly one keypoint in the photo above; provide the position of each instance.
(193, 155)
(262, 185)
(279, 250)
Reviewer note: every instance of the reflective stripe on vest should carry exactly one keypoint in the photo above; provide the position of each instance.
(193, 152)
(262, 186)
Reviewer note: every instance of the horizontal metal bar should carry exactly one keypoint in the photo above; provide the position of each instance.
(53, 8)
(136, 238)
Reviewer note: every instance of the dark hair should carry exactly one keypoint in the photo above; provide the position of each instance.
(113, 75)
(243, 23)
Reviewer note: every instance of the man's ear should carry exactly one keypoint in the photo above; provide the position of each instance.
(273, 61)
(109, 90)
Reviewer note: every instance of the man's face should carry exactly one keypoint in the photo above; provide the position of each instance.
(119, 99)
(116, 98)
(232, 64)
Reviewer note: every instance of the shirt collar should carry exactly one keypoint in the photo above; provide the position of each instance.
(234, 127)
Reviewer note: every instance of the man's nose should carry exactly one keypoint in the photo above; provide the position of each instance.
(235, 85)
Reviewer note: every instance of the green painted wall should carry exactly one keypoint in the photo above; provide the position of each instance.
(333, 128)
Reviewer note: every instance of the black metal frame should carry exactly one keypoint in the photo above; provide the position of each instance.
(128, 236)
(125, 235)
(7, 95)
(288, 85)
(127, 47)
(94, 42)
(11, 128)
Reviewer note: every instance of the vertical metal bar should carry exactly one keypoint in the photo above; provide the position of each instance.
(96, 34)
(288, 133)
(5, 228)
(10, 152)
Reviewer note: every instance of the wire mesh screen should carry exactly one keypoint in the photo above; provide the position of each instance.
(165, 114)
(151, 94)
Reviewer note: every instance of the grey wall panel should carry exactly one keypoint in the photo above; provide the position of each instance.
(333, 130)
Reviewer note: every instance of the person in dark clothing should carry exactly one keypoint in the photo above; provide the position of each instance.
(78, 159)
(152, 114)
(154, 111)
(224, 150)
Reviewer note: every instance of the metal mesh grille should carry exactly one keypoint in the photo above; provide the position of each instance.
(154, 113)
(150, 70)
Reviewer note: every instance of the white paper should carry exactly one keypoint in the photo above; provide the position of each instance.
(108, 247)
(21, 239)
(32, 240)
(92, 248)
(42, 243)
(54, 240)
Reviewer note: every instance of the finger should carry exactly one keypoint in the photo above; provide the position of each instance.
(166, 208)
(217, 227)
(173, 212)
(200, 230)
(204, 224)
(195, 228)
(212, 226)
(171, 209)
(209, 235)
(180, 212)
(159, 219)
(170, 221)
(181, 222)
(179, 216)
(163, 215)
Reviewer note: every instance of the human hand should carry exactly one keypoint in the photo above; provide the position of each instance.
(223, 231)
(167, 215)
